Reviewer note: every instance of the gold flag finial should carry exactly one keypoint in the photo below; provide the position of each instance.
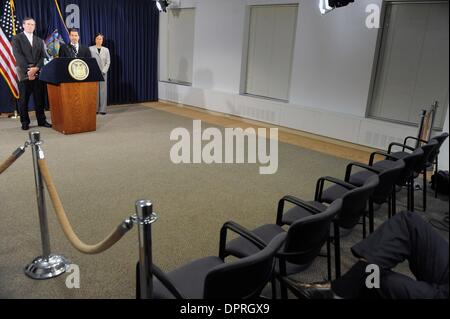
(13, 20)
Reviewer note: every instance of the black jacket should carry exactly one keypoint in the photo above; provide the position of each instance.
(26, 55)
(67, 52)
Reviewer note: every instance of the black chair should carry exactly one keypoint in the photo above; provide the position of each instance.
(420, 166)
(353, 208)
(406, 178)
(304, 240)
(433, 158)
(354, 204)
(384, 192)
(212, 278)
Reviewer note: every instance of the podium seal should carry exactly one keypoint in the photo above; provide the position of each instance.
(78, 69)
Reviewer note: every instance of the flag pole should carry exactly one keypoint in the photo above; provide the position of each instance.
(15, 116)
(13, 13)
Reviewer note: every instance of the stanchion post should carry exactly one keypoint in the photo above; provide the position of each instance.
(48, 265)
(35, 138)
(15, 115)
(145, 219)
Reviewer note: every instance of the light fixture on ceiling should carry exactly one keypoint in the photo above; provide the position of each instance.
(162, 5)
(326, 6)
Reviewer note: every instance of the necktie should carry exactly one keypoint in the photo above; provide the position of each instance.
(74, 49)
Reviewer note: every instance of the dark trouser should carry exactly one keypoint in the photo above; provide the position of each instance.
(26, 88)
(406, 236)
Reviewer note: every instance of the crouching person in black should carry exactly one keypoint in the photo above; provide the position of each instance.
(406, 236)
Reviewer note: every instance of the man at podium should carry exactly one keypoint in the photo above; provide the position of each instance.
(74, 49)
(72, 85)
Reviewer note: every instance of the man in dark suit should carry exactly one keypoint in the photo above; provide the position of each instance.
(74, 49)
(29, 52)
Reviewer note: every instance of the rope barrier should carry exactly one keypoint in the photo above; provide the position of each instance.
(105, 244)
(11, 159)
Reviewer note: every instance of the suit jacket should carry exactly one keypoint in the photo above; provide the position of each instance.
(26, 55)
(103, 58)
(67, 52)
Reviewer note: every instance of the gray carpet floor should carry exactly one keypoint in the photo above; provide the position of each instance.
(99, 177)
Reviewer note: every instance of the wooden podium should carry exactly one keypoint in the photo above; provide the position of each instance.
(73, 103)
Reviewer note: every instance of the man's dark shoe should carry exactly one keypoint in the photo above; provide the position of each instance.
(45, 124)
(25, 127)
(311, 290)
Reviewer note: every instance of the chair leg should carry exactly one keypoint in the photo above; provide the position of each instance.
(284, 293)
(371, 217)
(389, 202)
(337, 250)
(408, 196)
(435, 178)
(364, 226)
(394, 202)
(329, 258)
(274, 287)
(283, 273)
(424, 189)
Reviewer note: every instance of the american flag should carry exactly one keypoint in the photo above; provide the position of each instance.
(9, 27)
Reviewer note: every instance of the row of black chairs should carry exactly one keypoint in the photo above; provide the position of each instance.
(271, 252)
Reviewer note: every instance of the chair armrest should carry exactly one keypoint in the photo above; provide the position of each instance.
(295, 201)
(388, 156)
(238, 229)
(165, 280)
(413, 138)
(321, 183)
(348, 172)
(403, 146)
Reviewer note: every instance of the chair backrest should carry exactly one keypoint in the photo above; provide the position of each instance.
(388, 178)
(245, 277)
(306, 236)
(440, 139)
(354, 203)
(410, 165)
(427, 152)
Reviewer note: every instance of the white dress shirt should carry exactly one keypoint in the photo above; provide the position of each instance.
(29, 37)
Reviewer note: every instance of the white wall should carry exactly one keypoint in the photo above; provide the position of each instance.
(217, 59)
(333, 58)
(332, 70)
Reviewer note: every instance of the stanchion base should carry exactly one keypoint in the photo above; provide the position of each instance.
(45, 268)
